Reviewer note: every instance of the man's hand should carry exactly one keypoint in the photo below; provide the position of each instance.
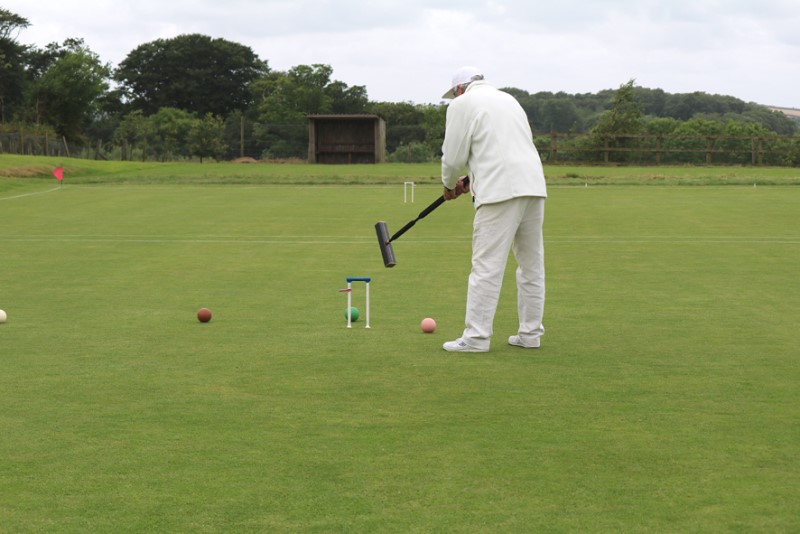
(460, 189)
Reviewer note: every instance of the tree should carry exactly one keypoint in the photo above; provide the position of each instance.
(288, 97)
(168, 132)
(11, 24)
(531, 105)
(434, 123)
(625, 115)
(624, 118)
(413, 152)
(207, 138)
(132, 133)
(12, 62)
(414, 132)
(653, 101)
(346, 99)
(284, 99)
(192, 72)
(66, 93)
(559, 114)
(404, 123)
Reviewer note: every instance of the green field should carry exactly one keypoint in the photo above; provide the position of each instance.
(664, 398)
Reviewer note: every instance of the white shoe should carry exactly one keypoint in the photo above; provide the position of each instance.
(459, 345)
(517, 342)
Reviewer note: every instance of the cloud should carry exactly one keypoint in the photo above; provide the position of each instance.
(407, 50)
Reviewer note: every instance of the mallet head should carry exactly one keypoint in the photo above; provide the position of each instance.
(387, 250)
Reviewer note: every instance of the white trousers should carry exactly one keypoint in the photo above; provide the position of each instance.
(498, 228)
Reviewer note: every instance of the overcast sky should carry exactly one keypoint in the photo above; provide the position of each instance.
(406, 50)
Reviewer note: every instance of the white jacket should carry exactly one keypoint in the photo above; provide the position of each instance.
(487, 132)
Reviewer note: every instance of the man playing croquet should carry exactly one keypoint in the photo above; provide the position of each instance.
(487, 132)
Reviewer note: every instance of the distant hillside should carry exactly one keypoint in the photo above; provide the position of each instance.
(564, 112)
(789, 112)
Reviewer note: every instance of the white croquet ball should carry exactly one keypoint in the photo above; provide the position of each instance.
(3, 316)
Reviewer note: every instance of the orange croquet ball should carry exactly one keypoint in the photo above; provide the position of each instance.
(203, 315)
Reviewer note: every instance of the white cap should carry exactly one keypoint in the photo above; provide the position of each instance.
(462, 76)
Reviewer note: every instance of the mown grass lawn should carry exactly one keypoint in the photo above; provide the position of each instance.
(664, 397)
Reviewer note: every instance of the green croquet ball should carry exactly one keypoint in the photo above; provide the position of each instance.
(354, 315)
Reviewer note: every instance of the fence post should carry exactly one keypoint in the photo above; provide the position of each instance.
(553, 142)
(241, 135)
(760, 150)
(605, 148)
(658, 149)
(709, 148)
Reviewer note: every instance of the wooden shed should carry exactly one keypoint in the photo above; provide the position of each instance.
(346, 139)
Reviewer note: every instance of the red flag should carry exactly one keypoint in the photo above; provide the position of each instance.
(59, 173)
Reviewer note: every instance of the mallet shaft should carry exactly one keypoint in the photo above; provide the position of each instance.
(385, 242)
(435, 204)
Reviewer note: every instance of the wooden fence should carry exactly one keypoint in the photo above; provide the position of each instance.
(33, 144)
(554, 148)
(660, 149)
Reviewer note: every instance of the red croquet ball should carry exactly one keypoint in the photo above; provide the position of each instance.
(203, 315)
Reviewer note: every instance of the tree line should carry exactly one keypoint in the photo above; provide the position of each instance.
(194, 96)
(722, 130)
